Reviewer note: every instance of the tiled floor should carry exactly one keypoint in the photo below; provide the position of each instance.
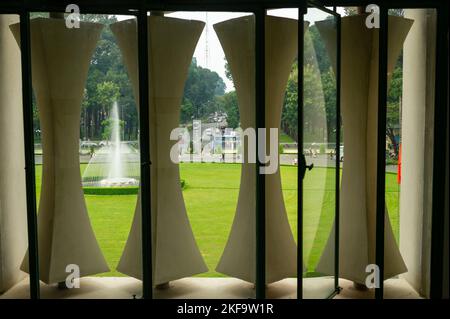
(209, 288)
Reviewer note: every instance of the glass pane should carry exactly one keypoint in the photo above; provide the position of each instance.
(319, 149)
(13, 210)
(281, 182)
(203, 196)
(409, 149)
(87, 157)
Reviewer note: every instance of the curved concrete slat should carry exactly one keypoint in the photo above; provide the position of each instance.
(60, 61)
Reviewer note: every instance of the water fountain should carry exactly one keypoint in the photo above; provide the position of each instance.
(115, 164)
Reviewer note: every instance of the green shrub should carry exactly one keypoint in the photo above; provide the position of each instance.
(127, 190)
(130, 190)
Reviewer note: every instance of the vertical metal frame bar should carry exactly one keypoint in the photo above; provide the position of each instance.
(440, 144)
(381, 147)
(338, 153)
(27, 94)
(144, 141)
(300, 42)
(260, 105)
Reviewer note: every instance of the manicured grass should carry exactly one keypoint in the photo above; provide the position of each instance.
(211, 194)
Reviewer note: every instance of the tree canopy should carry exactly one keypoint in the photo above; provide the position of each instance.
(204, 93)
(201, 88)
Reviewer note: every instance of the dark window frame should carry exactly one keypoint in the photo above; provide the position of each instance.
(139, 9)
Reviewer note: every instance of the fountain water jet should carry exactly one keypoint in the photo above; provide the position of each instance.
(115, 164)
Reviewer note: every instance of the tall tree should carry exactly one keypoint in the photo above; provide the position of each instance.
(228, 104)
(202, 85)
(393, 106)
(107, 71)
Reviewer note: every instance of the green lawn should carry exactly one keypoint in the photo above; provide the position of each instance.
(211, 194)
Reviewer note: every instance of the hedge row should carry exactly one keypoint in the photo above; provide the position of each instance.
(128, 190)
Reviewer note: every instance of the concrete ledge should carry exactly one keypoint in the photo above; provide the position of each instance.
(208, 288)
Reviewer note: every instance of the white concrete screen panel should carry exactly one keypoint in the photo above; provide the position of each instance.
(237, 37)
(417, 107)
(13, 222)
(359, 105)
(60, 60)
(171, 47)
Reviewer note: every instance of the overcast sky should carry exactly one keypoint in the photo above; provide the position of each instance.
(215, 58)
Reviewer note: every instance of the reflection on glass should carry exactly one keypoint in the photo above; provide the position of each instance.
(319, 148)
